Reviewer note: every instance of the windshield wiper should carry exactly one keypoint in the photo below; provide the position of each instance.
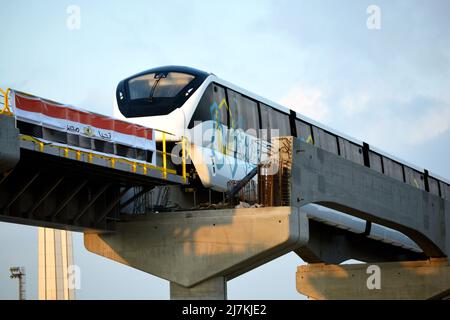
(158, 77)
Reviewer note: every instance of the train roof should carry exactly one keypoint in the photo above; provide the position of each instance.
(213, 78)
(166, 69)
(320, 125)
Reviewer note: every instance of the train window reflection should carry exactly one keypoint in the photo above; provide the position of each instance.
(244, 113)
(212, 106)
(157, 85)
(274, 123)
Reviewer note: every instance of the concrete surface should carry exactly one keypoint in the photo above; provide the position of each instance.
(397, 280)
(9, 143)
(188, 248)
(327, 179)
(212, 289)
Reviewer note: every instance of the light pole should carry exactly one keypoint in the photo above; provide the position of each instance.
(19, 272)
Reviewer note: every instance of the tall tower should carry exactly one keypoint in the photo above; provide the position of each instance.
(19, 273)
(55, 258)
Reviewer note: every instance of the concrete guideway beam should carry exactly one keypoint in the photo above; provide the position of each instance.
(327, 179)
(332, 245)
(391, 280)
(188, 248)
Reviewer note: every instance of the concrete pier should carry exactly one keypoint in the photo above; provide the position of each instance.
(392, 280)
(212, 289)
(198, 251)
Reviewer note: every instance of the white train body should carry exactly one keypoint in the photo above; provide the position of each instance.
(223, 150)
(214, 159)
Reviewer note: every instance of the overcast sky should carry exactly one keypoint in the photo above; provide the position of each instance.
(387, 86)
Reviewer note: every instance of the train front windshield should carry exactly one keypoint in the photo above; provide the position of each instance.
(158, 85)
(157, 92)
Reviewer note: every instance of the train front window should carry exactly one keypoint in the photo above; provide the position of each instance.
(158, 85)
(157, 91)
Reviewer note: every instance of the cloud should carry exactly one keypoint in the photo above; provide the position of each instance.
(376, 86)
(415, 123)
(356, 103)
(431, 125)
(341, 57)
(308, 101)
(388, 121)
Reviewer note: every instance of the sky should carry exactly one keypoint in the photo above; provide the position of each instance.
(387, 86)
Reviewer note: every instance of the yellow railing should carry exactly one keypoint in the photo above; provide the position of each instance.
(164, 154)
(113, 160)
(183, 158)
(91, 155)
(6, 107)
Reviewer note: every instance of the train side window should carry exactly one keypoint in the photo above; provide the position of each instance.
(280, 121)
(433, 185)
(325, 140)
(273, 123)
(244, 113)
(265, 110)
(304, 131)
(392, 169)
(212, 106)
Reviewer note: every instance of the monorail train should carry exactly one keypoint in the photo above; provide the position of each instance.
(226, 124)
(220, 120)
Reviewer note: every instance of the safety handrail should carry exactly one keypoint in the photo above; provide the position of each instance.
(164, 154)
(6, 107)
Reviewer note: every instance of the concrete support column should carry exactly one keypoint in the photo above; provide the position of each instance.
(196, 251)
(211, 289)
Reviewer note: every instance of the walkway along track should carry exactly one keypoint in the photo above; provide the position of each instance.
(59, 185)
